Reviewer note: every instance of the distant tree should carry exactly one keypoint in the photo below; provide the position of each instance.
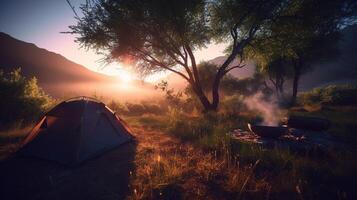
(230, 85)
(158, 35)
(308, 35)
(278, 71)
(273, 61)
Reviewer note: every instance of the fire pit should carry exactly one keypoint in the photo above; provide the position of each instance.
(268, 131)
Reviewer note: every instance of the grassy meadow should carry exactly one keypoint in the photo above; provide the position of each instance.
(238, 170)
(184, 154)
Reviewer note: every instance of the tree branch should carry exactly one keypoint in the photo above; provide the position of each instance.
(193, 64)
(234, 67)
(156, 62)
(172, 50)
(73, 9)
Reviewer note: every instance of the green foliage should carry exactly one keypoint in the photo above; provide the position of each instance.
(161, 35)
(230, 85)
(129, 29)
(330, 95)
(137, 109)
(179, 101)
(233, 104)
(22, 100)
(307, 32)
(208, 131)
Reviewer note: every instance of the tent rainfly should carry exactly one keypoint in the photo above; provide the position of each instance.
(74, 131)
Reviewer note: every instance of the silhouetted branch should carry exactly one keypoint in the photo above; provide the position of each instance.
(73, 9)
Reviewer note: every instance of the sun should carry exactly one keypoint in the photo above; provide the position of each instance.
(118, 70)
(125, 76)
(125, 79)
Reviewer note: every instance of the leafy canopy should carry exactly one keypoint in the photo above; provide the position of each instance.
(149, 33)
(156, 35)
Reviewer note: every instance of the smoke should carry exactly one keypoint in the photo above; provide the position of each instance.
(268, 108)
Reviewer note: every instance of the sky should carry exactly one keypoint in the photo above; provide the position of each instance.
(41, 21)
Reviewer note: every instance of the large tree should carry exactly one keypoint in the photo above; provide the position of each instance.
(161, 35)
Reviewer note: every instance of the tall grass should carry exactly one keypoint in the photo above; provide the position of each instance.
(288, 173)
(10, 140)
(209, 131)
(168, 169)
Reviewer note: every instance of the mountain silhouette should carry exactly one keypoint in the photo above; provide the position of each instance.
(57, 75)
(48, 67)
(63, 78)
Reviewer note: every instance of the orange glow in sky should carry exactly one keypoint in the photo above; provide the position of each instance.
(64, 44)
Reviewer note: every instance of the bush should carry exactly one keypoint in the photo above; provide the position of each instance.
(117, 107)
(22, 100)
(144, 108)
(208, 131)
(330, 95)
(137, 109)
(233, 104)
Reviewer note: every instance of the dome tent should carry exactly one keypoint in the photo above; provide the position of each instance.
(75, 130)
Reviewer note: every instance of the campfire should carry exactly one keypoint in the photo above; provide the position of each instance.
(296, 132)
(295, 125)
(268, 131)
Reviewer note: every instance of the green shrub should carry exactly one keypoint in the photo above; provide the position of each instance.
(136, 109)
(233, 104)
(209, 131)
(330, 95)
(339, 95)
(22, 100)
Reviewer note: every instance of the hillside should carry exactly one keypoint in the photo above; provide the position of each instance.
(48, 67)
(58, 75)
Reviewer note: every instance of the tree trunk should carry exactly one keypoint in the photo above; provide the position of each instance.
(202, 97)
(277, 89)
(222, 70)
(280, 86)
(215, 95)
(297, 74)
(217, 80)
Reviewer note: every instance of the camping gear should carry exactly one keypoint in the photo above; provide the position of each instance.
(308, 123)
(267, 131)
(74, 131)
